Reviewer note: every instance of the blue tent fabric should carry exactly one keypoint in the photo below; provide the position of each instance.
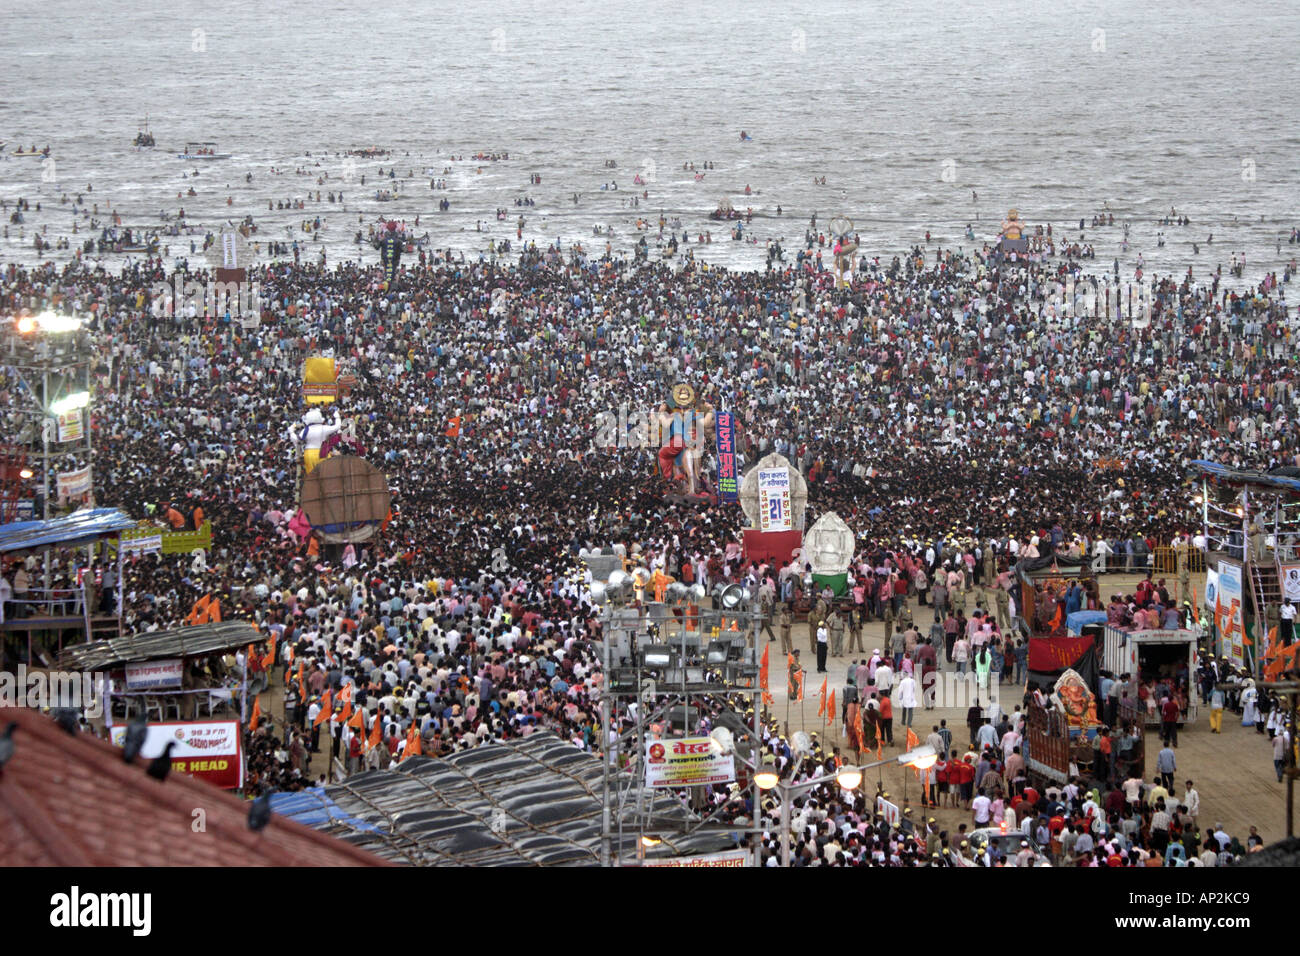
(312, 808)
(1236, 476)
(1075, 623)
(70, 529)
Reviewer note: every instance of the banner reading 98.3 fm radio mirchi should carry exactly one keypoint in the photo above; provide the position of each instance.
(210, 750)
(687, 762)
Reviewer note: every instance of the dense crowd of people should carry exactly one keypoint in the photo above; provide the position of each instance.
(957, 413)
(1107, 814)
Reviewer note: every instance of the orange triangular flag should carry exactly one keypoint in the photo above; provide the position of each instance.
(413, 745)
(347, 712)
(880, 747)
(830, 709)
(326, 708)
(762, 671)
(214, 612)
(453, 427)
(256, 717)
(345, 695)
(302, 686)
(376, 732)
(799, 674)
(199, 611)
(821, 699)
(912, 740)
(358, 721)
(268, 661)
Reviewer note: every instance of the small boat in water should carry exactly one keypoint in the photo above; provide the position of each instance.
(202, 151)
(144, 139)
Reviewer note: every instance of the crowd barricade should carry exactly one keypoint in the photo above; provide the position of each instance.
(1167, 561)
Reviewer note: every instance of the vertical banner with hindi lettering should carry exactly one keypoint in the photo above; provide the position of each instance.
(1228, 614)
(725, 428)
(70, 426)
(774, 500)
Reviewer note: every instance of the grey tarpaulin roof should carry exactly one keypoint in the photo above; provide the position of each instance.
(70, 529)
(532, 801)
(198, 639)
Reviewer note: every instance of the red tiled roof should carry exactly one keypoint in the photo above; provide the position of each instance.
(71, 801)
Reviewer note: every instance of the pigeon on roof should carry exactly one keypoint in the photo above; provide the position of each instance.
(136, 732)
(161, 765)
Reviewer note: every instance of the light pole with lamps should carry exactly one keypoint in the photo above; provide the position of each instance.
(849, 778)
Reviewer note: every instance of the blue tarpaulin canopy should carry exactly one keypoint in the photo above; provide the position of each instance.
(76, 528)
(1075, 622)
(1237, 476)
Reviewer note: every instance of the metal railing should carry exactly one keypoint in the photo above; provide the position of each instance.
(69, 601)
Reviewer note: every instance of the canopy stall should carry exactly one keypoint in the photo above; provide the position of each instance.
(36, 622)
(161, 689)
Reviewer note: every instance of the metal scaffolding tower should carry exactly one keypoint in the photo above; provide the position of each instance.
(668, 664)
(46, 366)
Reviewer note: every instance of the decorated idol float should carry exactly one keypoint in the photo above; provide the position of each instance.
(1012, 241)
(828, 547)
(343, 498)
(774, 498)
(686, 429)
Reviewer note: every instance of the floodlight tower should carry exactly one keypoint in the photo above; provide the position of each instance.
(667, 663)
(46, 365)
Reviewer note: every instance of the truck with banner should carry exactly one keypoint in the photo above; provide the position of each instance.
(1151, 654)
(149, 538)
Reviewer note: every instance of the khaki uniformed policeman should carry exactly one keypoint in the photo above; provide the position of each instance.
(767, 616)
(837, 634)
(1003, 601)
(786, 621)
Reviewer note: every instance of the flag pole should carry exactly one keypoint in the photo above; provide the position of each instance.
(803, 675)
